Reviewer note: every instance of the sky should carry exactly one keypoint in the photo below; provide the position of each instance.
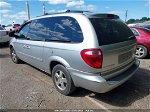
(15, 10)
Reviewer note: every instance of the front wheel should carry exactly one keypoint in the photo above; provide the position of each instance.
(141, 51)
(62, 80)
(14, 57)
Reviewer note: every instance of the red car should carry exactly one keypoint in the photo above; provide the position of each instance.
(143, 41)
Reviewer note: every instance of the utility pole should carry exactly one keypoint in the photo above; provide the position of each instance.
(126, 15)
(27, 10)
(43, 8)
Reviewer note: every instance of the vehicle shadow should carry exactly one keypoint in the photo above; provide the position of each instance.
(136, 88)
(148, 57)
(4, 45)
(4, 55)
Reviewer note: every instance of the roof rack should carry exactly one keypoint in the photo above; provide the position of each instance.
(68, 11)
(78, 11)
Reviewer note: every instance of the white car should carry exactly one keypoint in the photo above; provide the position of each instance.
(3, 35)
(11, 27)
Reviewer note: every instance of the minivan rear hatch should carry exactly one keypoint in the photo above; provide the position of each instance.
(117, 42)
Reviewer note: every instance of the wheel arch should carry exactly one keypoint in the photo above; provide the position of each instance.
(57, 60)
(143, 45)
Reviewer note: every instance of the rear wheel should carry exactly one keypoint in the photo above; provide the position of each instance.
(62, 80)
(14, 57)
(141, 51)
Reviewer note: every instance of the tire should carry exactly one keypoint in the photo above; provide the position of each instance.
(14, 56)
(62, 80)
(141, 52)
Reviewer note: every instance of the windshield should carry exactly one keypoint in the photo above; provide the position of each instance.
(110, 31)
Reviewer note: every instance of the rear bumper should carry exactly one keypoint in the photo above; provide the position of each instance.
(96, 83)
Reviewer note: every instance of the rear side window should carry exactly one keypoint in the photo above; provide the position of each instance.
(61, 29)
(110, 31)
(135, 32)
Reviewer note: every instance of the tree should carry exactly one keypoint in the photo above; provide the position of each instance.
(131, 21)
(143, 19)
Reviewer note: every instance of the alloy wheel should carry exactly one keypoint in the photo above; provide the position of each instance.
(60, 80)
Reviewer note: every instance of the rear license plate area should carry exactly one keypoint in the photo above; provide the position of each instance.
(124, 57)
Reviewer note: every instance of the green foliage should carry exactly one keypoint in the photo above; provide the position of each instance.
(130, 21)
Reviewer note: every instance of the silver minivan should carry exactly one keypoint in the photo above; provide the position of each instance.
(88, 50)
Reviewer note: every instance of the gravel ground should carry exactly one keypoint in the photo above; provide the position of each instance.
(24, 87)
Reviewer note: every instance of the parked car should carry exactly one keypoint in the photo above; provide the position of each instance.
(143, 41)
(3, 35)
(11, 27)
(92, 51)
(147, 27)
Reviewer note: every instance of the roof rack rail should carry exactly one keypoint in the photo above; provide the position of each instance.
(78, 11)
(68, 11)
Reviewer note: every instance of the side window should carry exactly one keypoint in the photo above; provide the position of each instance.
(24, 31)
(37, 31)
(63, 29)
(135, 32)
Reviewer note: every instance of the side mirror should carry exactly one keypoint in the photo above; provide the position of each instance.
(16, 35)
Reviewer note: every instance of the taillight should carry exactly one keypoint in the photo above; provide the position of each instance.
(92, 57)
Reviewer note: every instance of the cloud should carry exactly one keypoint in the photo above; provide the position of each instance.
(4, 11)
(56, 11)
(117, 12)
(75, 3)
(17, 16)
(80, 4)
(5, 4)
(55, 2)
(87, 7)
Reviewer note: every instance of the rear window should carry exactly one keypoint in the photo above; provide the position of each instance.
(110, 31)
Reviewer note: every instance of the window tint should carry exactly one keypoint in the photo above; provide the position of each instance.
(37, 31)
(62, 29)
(110, 31)
(135, 32)
(24, 31)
